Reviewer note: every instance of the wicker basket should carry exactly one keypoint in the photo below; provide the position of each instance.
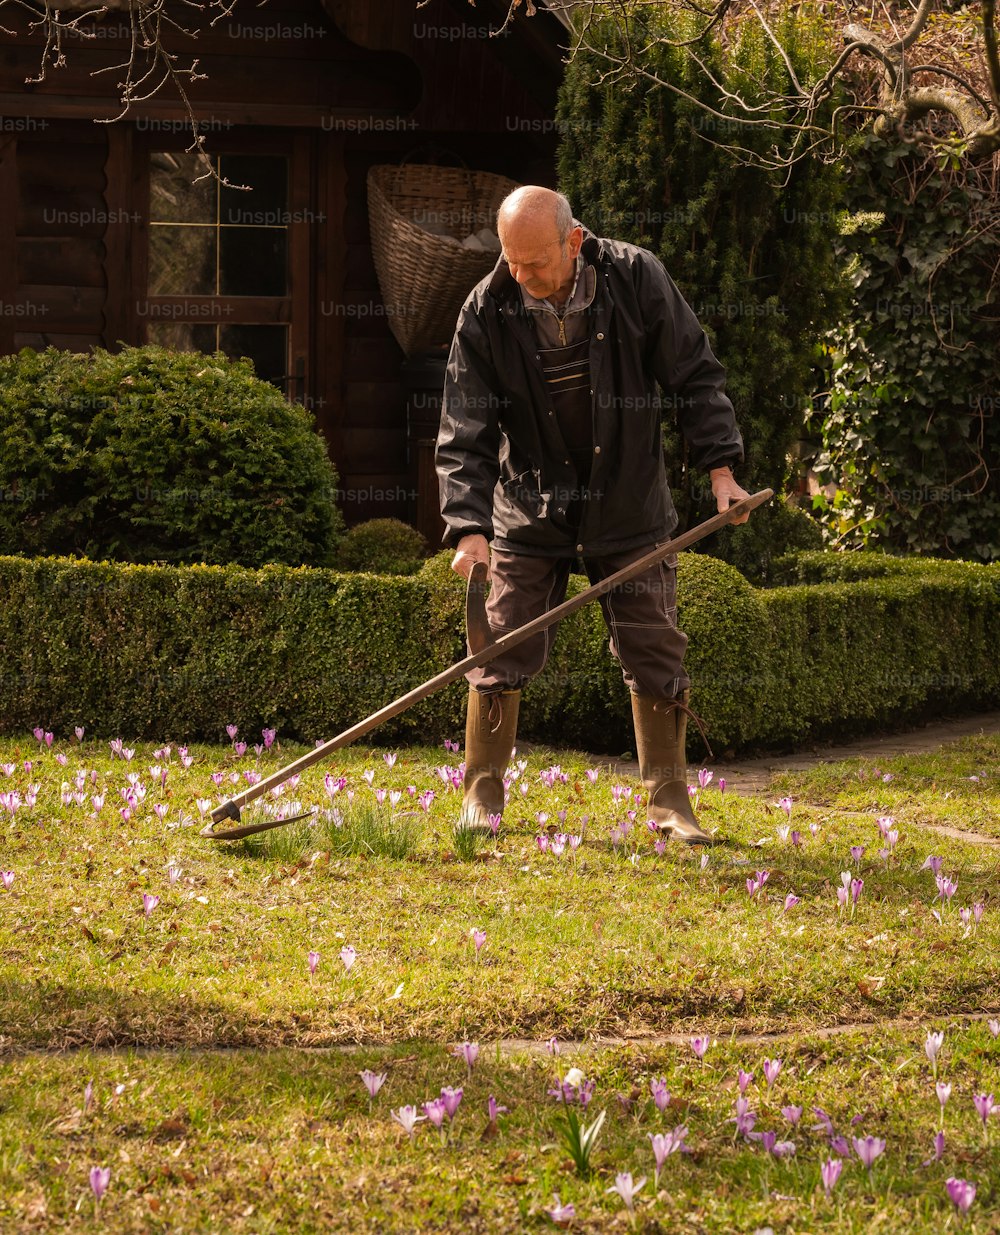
(424, 277)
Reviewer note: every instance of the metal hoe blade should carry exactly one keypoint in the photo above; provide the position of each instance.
(478, 632)
(481, 656)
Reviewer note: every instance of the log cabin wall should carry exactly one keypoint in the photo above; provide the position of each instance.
(338, 87)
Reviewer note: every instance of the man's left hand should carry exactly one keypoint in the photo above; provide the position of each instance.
(727, 491)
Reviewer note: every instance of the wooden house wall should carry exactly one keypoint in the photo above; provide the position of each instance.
(387, 84)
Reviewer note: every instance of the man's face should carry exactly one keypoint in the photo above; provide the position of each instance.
(536, 258)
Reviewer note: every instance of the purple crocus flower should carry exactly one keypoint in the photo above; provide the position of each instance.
(985, 1106)
(793, 1114)
(373, 1081)
(149, 903)
(100, 1177)
(469, 1052)
(700, 1045)
(868, 1148)
(493, 1109)
(796, 838)
(938, 1150)
(943, 1093)
(661, 1095)
(932, 1048)
(744, 1118)
(857, 852)
(452, 1099)
(825, 1122)
(478, 938)
(561, 1215)
(7, 878)
(743, 1079)
(856, 888)
(722, 784)
(348, 955)
(785, 804)
(994, 1028)
(435, 1111)
(268, 735)
(705, 778)
(88, 1096)
(829, 1173)
(791, 900)
(932, 863)
(771, 1069)
(232, 731)
(665, 1144)
(962, 1193)
(313, 959)
(946, 887)
(840, 1145)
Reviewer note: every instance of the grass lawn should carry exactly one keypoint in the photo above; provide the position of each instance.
(372, 935)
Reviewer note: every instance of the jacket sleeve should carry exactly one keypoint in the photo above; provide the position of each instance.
(467, 458)
(682, 361)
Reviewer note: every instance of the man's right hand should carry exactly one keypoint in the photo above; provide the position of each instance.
(469, 550)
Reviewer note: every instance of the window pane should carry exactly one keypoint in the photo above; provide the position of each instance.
(267, 347)
(264, 200)
(173, 195)
(183, 336)
(252, 261)
(182, 260)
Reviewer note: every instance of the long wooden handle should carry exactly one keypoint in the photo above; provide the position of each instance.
(231, 809)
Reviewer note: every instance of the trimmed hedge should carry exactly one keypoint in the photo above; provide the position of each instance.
(166, 652)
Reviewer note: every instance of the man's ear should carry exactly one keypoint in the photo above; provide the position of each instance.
(573, 241)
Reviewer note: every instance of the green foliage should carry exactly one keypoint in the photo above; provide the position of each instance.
(149, 455)
(751, 251)
(383, 547)
(176, 653)
(826, 567)
(578, 1140)
(467, 841)
(373, 830)
(910, 433)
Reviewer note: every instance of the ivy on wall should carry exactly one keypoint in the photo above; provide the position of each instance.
(910, 434)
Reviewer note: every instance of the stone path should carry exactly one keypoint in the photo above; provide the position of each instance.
(746, 776)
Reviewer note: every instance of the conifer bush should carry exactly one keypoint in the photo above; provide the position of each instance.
(147, 455)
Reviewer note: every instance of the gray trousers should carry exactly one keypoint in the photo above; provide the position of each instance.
(641, 617)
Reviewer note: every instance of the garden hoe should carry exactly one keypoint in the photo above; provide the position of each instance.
(482, 649)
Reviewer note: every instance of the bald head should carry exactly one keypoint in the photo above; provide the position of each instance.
(533, 204)
(539, 241)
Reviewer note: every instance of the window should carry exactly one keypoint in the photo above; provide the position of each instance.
(219, 259)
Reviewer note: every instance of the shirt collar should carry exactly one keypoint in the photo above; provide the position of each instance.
(586, 294)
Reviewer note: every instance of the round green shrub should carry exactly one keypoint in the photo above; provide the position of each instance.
(383, 547)
(148, 455)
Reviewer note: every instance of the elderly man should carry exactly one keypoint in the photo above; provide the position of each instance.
(550, 450)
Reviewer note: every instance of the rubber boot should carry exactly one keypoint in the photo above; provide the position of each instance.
(490, 729)
(660, 731)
